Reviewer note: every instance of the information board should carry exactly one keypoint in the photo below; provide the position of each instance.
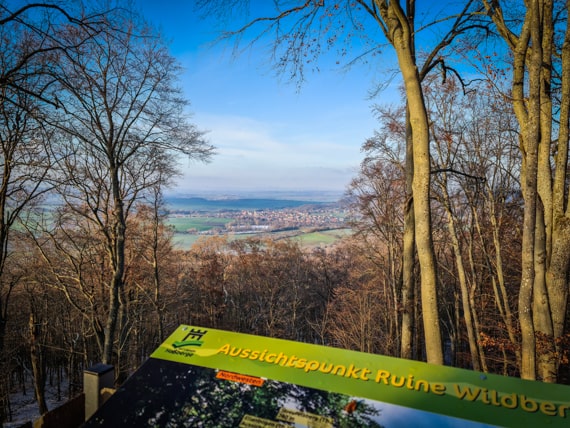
(212, 378)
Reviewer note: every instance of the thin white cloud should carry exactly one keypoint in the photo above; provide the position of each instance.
(246, 140)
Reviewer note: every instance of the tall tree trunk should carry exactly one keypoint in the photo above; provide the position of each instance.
(111, 322)
(38, 365)
(497, 275)
(117, 256)
(463, 287)
(155, 262)
(408, 253)
(472, 288)
(531, 138)
(546, 361)
(402, 40)
(422, 210)
(546, 260)
(528, 117)
(558, 269)
(546, 352)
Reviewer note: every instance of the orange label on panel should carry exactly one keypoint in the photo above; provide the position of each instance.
(235, 377)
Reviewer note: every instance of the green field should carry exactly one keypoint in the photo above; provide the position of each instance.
(184, 241)
(321, 238)
(200, 224)
(189, 228)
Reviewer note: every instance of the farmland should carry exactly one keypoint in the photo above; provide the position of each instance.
(312, 223)
(189, 224)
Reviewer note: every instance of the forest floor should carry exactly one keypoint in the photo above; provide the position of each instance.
(25, 407)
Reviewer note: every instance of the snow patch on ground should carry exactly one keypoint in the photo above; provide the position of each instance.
(25, 407)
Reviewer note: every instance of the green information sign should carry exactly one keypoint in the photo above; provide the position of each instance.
(215, 378)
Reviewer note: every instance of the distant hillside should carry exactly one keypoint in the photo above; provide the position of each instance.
(177, 204)
(289, 195)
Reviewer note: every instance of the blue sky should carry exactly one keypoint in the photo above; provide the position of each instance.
(269, 135)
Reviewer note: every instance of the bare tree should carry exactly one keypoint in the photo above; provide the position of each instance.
(24, 165)
(124, 122)
(29, 40)
(303, 30)
(378, 195)
(29, 36)
(475, 181)
(154, 249)
(448, 133)
(538, 39)
(30, 43)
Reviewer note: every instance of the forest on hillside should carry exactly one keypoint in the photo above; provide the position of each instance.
(461, 247)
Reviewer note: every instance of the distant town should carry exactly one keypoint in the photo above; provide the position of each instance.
(263, 220)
